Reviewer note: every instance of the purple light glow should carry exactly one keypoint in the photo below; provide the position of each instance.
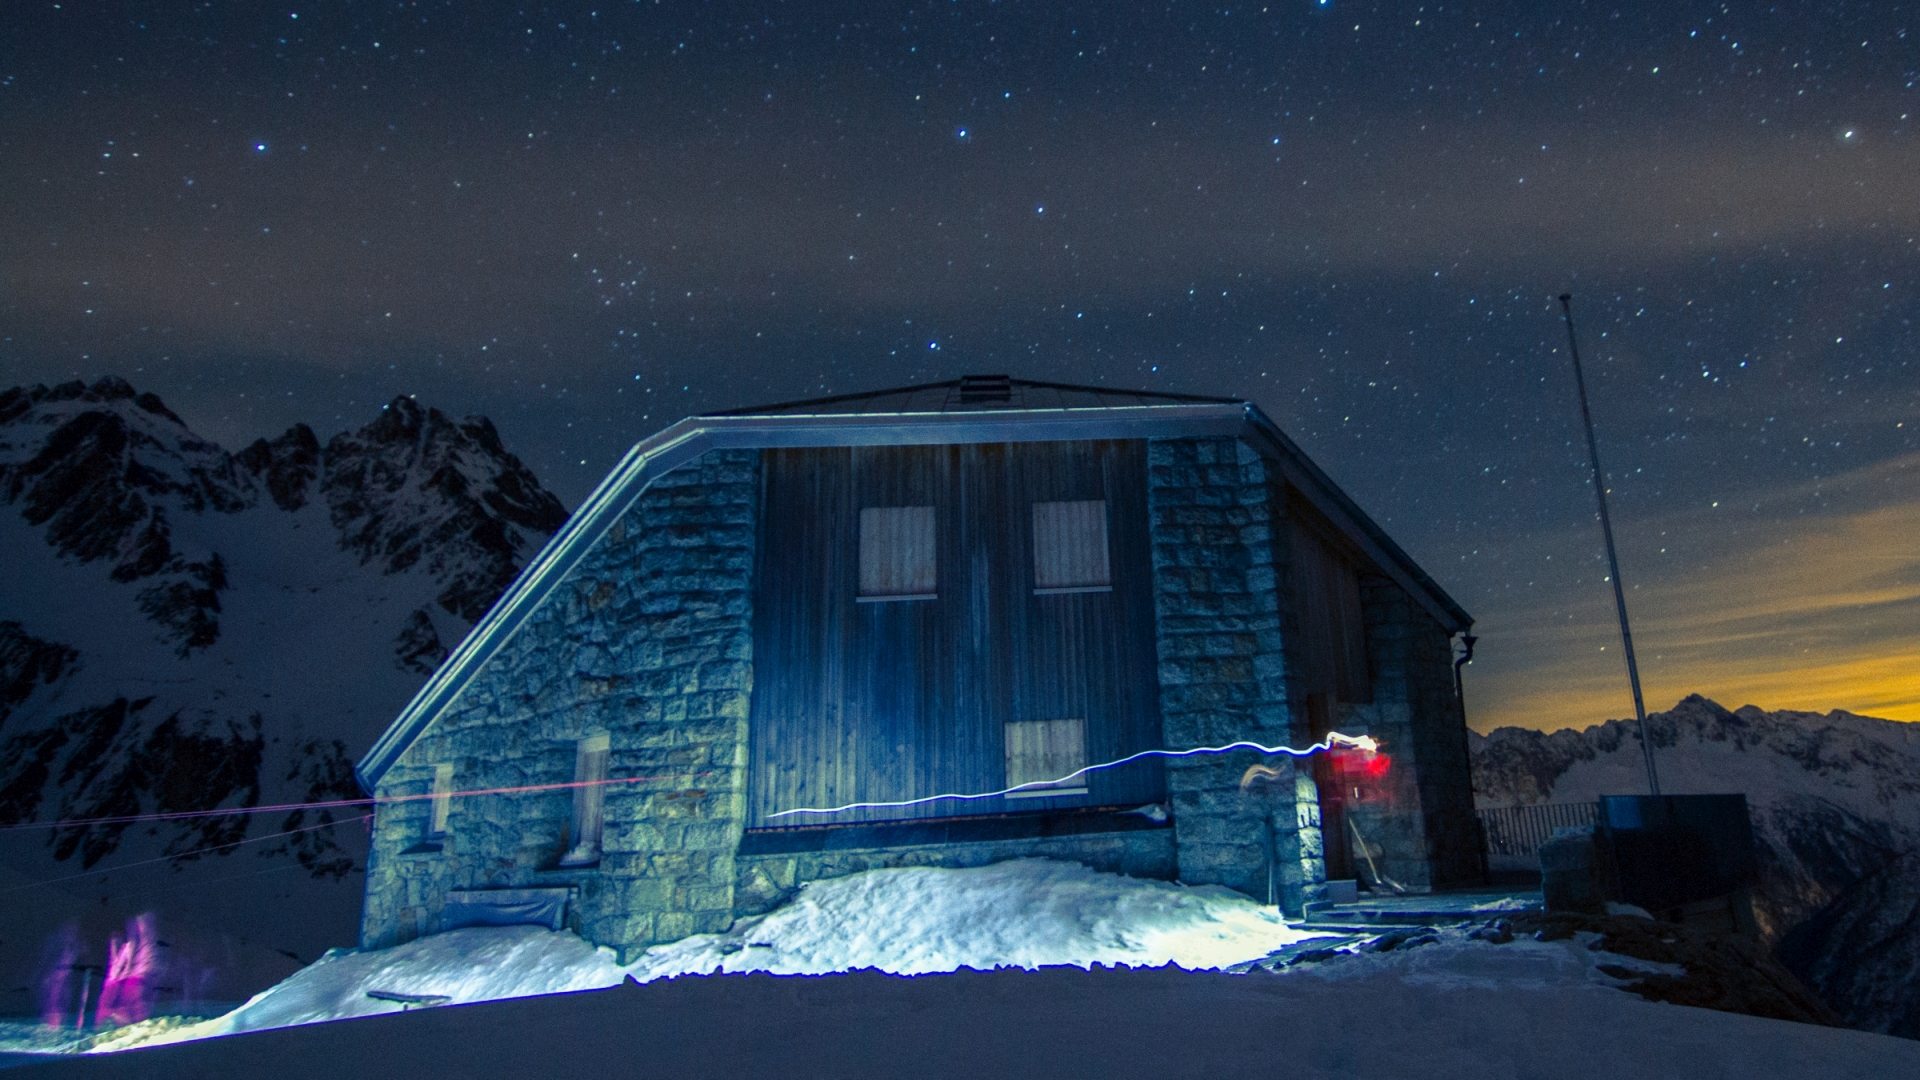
(131, 964)
(56, 986)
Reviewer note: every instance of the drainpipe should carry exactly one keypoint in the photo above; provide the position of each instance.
(1465, 658)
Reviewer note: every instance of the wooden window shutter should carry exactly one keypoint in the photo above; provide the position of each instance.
(1046, 754)
(1070, 547)
(897, 553)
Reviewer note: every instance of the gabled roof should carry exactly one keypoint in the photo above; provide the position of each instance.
(974, 393)
(975, 409)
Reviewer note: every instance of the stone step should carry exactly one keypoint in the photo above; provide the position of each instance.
(1423, 909)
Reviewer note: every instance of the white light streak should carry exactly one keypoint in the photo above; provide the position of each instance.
(1358, 742)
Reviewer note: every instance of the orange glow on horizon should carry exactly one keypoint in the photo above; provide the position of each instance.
(1809, 601)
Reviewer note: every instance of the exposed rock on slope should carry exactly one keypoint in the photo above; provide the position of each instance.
(27, 663)
(1835, 801)
(1731, 973)
(414, 487)
(104, 471)
(185, 629)
(1864, 949)
(285, 465)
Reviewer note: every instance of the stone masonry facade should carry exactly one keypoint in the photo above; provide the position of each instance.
(766, 880)
(649, 640)
(1225, 615)
(1425, 824)
(1221, 618)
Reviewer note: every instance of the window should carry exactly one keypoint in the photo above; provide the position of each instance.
(897, 553)
(1070, 547)
(589, 799)
(1046, 754)
(442, 799)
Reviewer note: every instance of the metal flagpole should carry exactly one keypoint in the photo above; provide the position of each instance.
(1613, 560)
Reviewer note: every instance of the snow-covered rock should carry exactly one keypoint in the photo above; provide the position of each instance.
(1863, 950)
(182, 628)
(1835, 801)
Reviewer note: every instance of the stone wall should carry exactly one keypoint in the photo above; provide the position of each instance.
(765, 880)
(1432, 836)
(649, 639)
(1221, 615)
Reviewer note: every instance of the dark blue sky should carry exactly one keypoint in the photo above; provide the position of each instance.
(588, 220)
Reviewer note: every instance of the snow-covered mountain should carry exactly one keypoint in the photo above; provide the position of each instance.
(183, 628)
(1835, 801)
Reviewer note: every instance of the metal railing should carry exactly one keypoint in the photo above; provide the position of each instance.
(1520, 830)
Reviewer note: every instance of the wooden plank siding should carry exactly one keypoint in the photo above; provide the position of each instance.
(867, 702)
(1070, 546)
(1326, 586)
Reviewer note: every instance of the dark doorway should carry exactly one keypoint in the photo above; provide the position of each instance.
(1336, 834)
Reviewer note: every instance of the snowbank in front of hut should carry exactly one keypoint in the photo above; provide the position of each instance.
(1028, 913)
(484, 963)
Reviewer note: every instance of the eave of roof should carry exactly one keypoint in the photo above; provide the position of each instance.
(688, 439)
(976, 393)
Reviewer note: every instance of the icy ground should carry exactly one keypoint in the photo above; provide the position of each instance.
(1436, 1006)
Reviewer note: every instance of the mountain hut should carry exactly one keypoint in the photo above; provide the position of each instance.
(906, 603)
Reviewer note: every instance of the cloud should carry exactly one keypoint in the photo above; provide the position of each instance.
(310, 254)
(1811, 611)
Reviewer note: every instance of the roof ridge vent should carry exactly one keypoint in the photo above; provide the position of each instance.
(985, 389)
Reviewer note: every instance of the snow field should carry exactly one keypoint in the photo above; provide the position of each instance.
(1027, 913)
(1454, 1008)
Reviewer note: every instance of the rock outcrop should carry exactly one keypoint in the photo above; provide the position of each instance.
(185, 629)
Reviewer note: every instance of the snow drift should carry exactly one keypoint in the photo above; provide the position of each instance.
(1454, 1010)
(1029, 913)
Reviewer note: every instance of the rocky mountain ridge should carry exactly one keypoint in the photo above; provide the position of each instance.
(183, 628)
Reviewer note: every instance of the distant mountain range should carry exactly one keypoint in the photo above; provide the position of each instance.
(1835, 801)
(183, 628)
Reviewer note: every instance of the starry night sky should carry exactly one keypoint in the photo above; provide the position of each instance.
(589, 220)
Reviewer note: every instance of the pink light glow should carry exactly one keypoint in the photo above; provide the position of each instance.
(56, 986)
(131, 962)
